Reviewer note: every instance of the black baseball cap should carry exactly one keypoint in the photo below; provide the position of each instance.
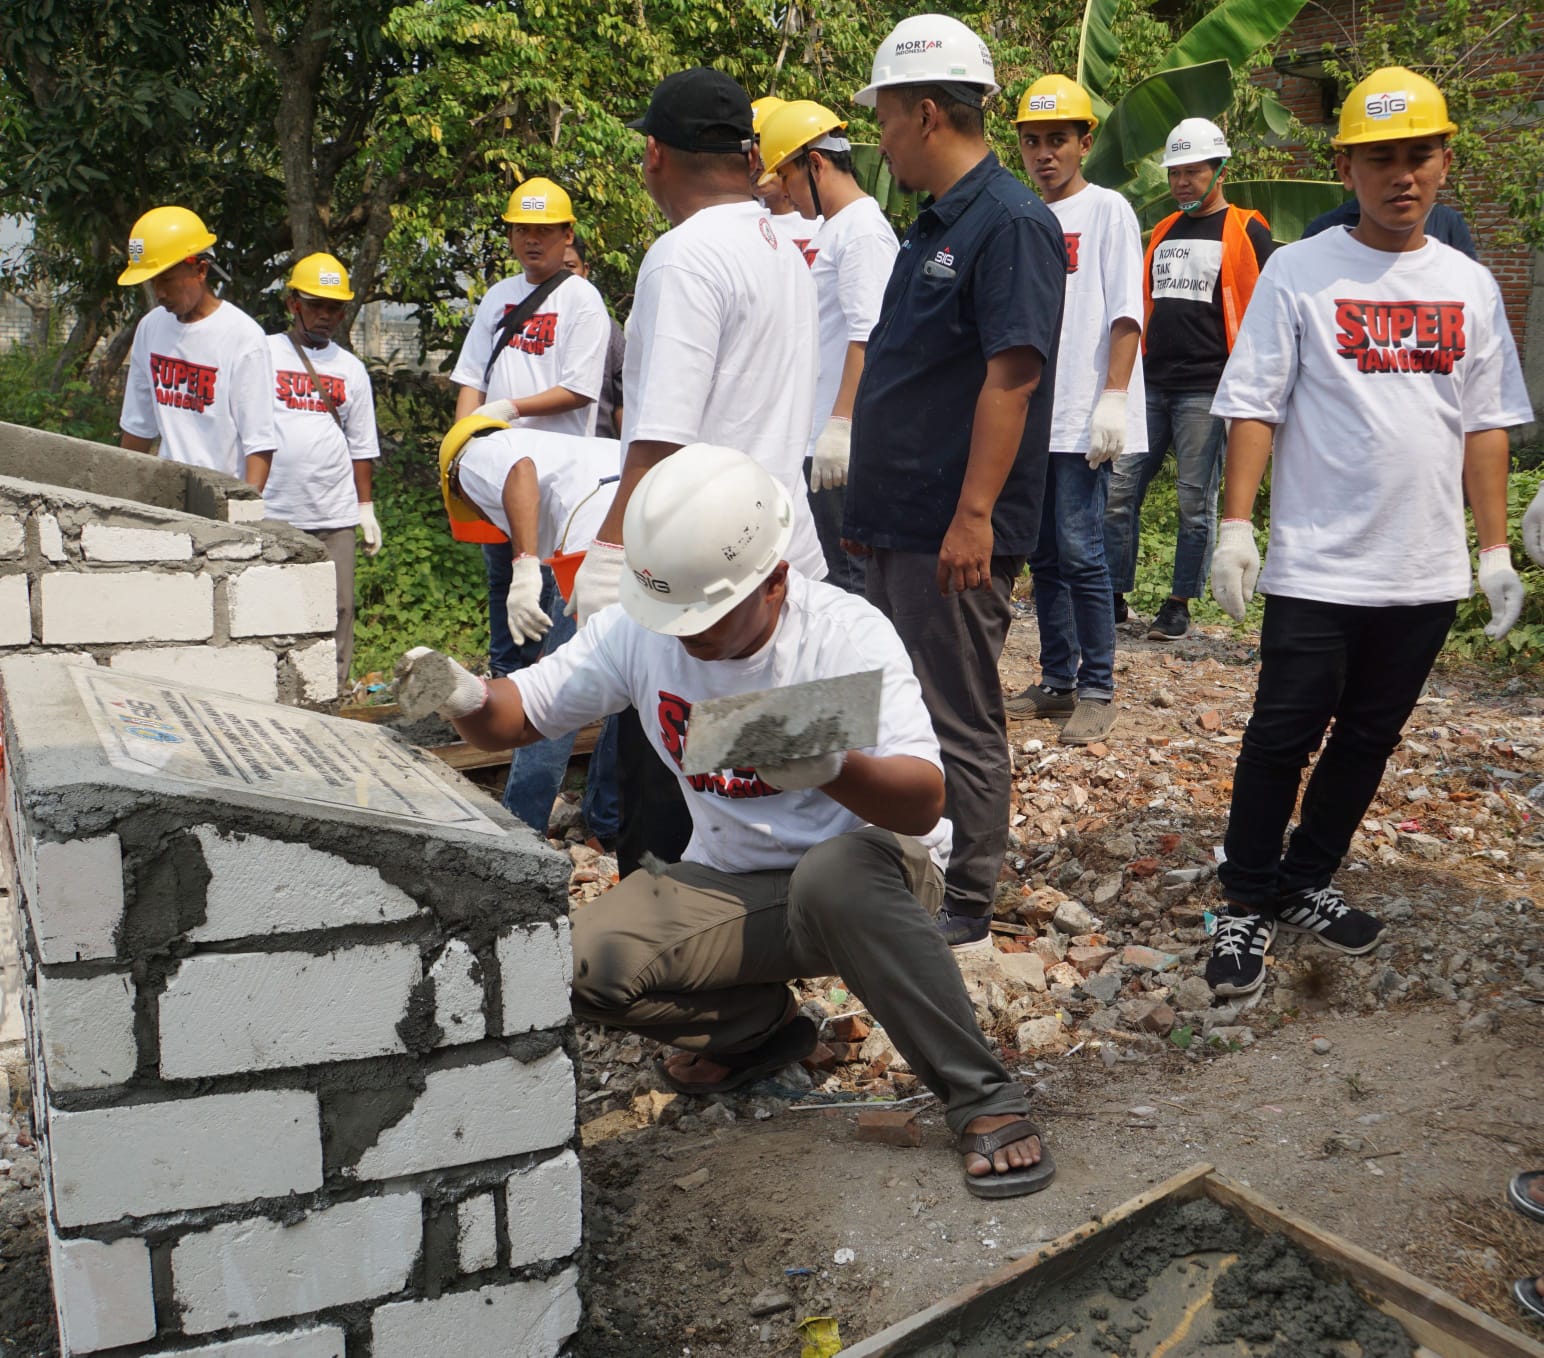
(699, 110)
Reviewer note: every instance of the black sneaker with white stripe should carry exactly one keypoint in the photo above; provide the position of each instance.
(1237, 963)
(1325, 914)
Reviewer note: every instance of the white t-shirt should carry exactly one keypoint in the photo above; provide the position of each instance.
(1104, 285)
(850, 260)
(1374, 365)
(722, 348)
(576, 479)
(739, 823)
(795, 228)
(312, 481)
(562, 345)
(205, 388)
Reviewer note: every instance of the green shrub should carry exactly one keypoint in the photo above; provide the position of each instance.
(76, 408)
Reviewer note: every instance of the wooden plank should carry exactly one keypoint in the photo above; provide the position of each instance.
(1433, 1317)
(460, 755)
(370, 711)
(962, 1311)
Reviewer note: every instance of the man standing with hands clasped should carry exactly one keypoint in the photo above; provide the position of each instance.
(1387, 409)
(1099, 413)
(952, 422)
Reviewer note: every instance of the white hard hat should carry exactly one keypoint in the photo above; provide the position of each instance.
(1194, 139)
(702, 530)
(930, 49)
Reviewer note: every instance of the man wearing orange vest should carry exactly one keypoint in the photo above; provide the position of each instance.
(1200, 270)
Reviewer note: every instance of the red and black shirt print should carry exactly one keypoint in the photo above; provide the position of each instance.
(675, 715)
(1406, 337)
(181, 384)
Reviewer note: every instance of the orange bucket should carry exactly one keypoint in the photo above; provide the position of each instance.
(565, 565)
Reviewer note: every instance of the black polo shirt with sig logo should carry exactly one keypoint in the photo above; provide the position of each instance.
(983, 269)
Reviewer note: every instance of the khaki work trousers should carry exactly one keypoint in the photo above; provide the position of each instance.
(338, 543)
(702, 959)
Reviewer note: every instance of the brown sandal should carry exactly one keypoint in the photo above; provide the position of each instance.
(789, 1045)
(1016, 1181)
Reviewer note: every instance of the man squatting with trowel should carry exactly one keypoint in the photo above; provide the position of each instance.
(827, 863)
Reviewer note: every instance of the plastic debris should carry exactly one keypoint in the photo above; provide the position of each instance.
(822, 1338)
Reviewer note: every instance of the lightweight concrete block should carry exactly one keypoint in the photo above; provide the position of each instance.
(74, 892)
(232, 1012)
(324, 1342)
(244, 1272)
(473, 1113)
(13, 536)
(50, 539)
(246, 550)
(82, 607)
(150, 1158)
(543, 1210)
(536, 966)
(317, 668)
(102, 1293)
(87, 1030)
(269, 886)
(458, 994)
(270, 601)
(512, 1320)
(244, 511)
(15, 611)
(251, 671)
(103, 542)
(477, 1244)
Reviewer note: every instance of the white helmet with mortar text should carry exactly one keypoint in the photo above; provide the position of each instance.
(702, 530)
(1192, 140)
(932, 49)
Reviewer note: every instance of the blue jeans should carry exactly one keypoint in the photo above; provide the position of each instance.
(842, 568)
(1072, 582)
(505, 654)
(1184, 419)
(536, 772)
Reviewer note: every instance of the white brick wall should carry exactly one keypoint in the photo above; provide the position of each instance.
(275, 600)
(249, 1271)
(50, 539)
(536, 966)
(103, 542)
(245, 511)
(15, 611)
(150, 1158)
(477, 1244)
(515, 1320)
(13, 537)
(269, 886)
(478, 1113)
(458, 995)
(87, 1029)
(251, 671)
(74, 894)
(325, 1342)
(266, 1011)
(81, 607)
(102, 1293)
(543, 1211)
(317, 667)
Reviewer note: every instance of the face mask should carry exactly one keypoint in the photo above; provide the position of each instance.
(1191, 207)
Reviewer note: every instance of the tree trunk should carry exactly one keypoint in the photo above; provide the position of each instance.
(106, 369)
(297, 65)
(82, 339)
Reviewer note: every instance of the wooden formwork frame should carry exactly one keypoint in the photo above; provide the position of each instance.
(1431, 1317)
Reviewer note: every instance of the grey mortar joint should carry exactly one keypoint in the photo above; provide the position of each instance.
(439, 1259)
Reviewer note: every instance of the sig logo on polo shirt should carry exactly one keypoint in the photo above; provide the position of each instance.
(1406, 337)
(1386, 105)
(945, 257)
(1042, 103)
(651, 582)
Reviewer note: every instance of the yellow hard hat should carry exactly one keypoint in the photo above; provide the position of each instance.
(789, 129)
(1393, 104)
(537, 201)
(320, 275)
(762, 109)
(1055, 99)
(466, 524)
(164, 236)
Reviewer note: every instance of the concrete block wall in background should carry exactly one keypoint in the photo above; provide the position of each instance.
(303, 1066)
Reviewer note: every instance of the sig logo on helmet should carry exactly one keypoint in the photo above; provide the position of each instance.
(1387, 104)
(329, 278)
(1042, 103)
(1179, 145)
(649, 582)
(533, 203)
(136, 249)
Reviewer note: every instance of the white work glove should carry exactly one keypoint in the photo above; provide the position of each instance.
(1533, 529)
(499, 410)
(1235, 567)
(528, 620)
(1502, 586)
(428, 681)
(370, 526)
(832, 449)
(596, 582)
(1107, 438)
(798, 775)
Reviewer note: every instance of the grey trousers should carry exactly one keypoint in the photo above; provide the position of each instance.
(955, 642)
(338, 543)
(701, 959)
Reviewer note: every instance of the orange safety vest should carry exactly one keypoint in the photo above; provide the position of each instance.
(1240, 268)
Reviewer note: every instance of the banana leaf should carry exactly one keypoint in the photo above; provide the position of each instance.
(1232, 31)
(1098, 47)
(1288, 204)
(1138, 125)
(874, 177)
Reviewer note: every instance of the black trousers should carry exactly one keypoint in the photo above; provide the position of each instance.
(654, 818)
(1360, 668)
